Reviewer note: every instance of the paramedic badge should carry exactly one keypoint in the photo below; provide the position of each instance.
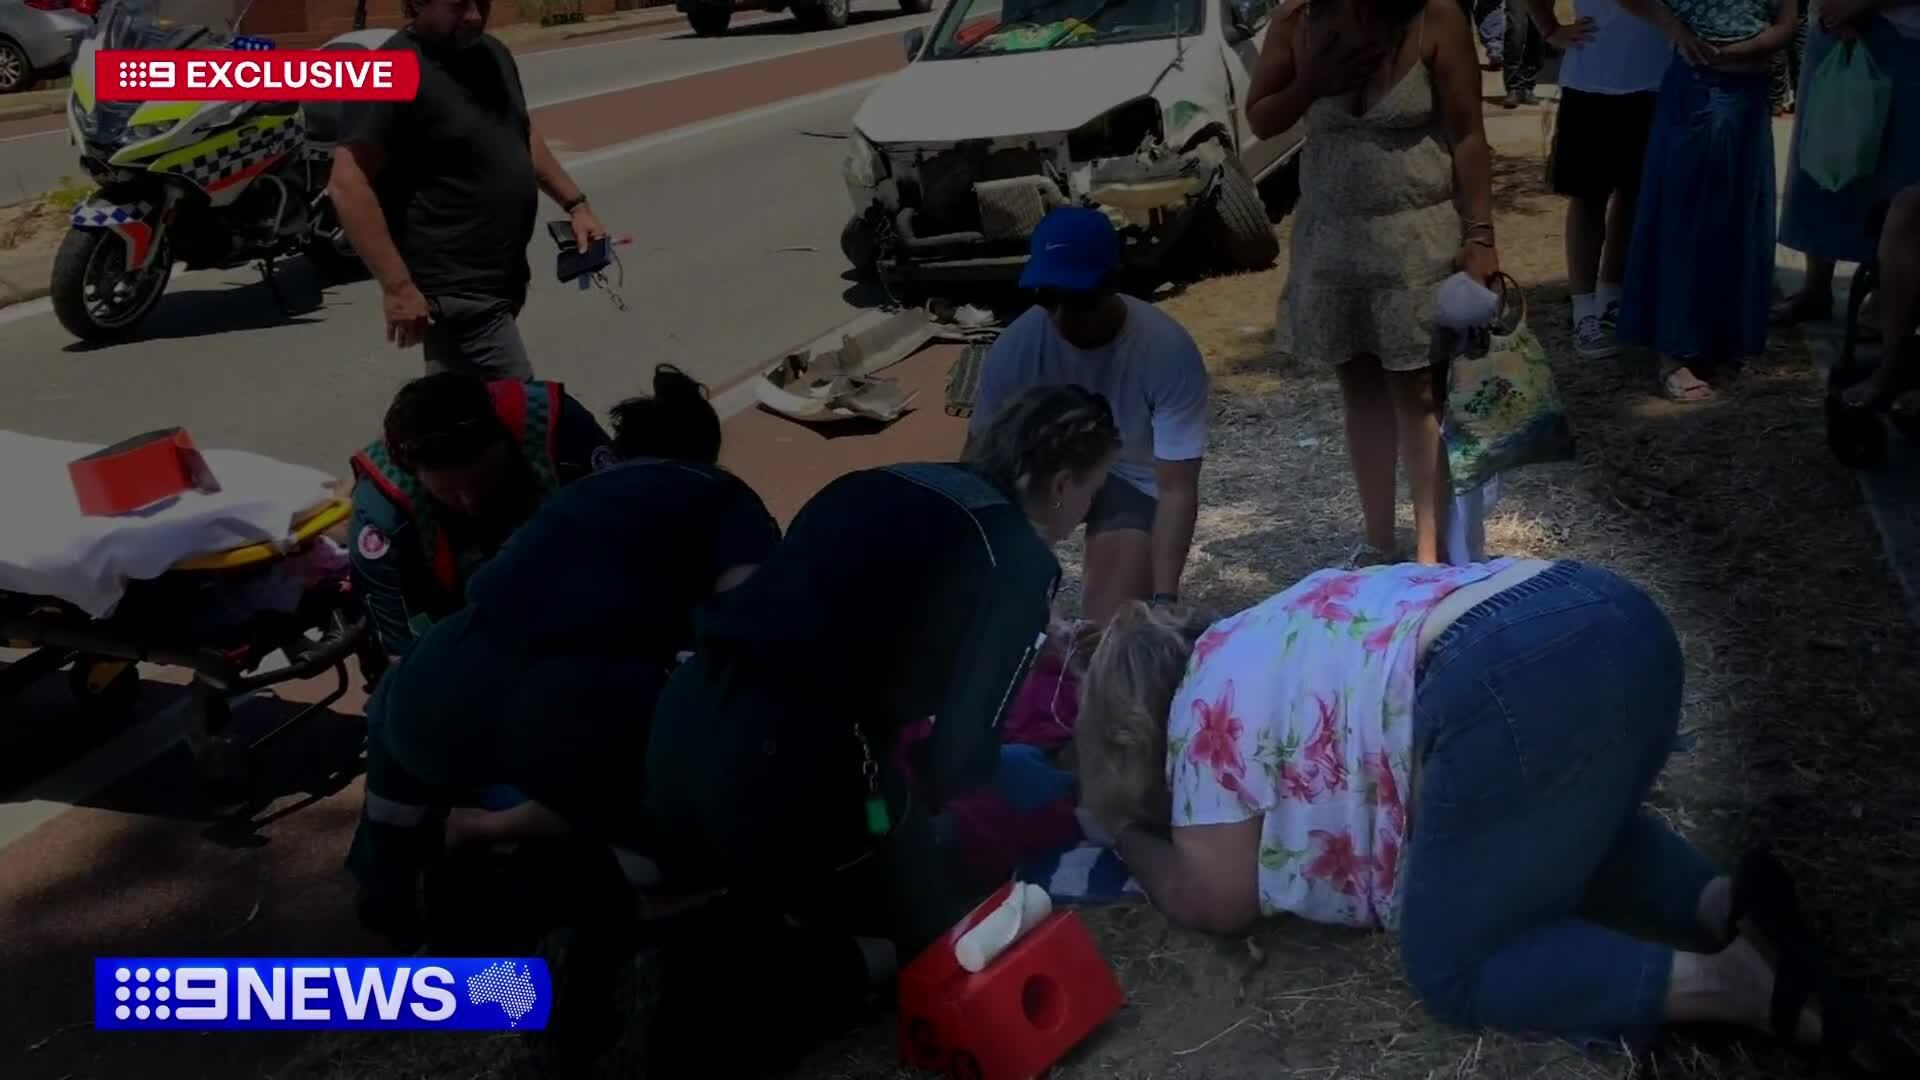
(373, 544)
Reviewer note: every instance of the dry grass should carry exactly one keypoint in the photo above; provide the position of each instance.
(39, 223)
(1802, 670)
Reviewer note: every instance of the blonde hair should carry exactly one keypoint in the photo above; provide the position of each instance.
(1126, 691)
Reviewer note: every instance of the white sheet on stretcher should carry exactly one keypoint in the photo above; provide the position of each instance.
(48, 548)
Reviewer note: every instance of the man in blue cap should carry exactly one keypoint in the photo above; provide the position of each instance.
(1083, 331)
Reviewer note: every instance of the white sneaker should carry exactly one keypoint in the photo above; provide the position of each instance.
(1592, 340)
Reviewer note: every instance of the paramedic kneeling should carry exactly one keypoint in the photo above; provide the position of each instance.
(463, 463)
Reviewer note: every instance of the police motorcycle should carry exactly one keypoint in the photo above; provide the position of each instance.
(205, 184)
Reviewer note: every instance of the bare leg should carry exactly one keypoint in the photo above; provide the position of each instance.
(1416, 411)
(1898, 293)
(1372, 444)
(1119, 569)
(1814, 300)
(1613, 262)
(1586, 234)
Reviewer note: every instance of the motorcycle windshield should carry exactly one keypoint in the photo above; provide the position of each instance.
(134, 24)
(137, 24)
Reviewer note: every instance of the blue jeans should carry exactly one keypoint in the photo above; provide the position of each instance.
(1541, 719)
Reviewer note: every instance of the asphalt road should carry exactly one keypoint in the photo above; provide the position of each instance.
(727, 181)
(35, 154)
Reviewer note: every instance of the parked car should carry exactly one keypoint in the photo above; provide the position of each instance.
(38, 38)
(1009, 108)
(710, 17)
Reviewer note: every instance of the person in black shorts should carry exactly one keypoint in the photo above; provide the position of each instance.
(1610, 81)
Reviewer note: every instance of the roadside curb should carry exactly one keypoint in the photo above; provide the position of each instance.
(32, 110)
(24, 278)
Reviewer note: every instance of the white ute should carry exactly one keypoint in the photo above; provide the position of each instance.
(1009, 108)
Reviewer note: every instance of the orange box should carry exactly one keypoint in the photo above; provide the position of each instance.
(136, 473)
(1035, 1002)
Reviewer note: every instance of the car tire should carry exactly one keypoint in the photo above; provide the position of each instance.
(1245, 236)
(710, 20)
(16, 69)
(824, 14)
(857, 244)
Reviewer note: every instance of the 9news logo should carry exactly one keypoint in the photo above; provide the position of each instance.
(346, 993)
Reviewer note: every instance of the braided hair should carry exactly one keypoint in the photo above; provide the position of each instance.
(1045, 431)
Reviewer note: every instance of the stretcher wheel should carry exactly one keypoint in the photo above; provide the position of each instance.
(104, 688)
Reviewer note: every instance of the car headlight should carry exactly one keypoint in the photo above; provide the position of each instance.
(864, 166)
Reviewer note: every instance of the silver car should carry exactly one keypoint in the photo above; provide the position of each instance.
(37, 37)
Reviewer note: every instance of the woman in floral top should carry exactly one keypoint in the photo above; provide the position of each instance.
(1460, 753)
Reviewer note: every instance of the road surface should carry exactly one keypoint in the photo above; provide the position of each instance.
(35, 154)
(728, 179)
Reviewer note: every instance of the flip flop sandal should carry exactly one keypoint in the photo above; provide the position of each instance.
(1701, 391)
(1763, 893)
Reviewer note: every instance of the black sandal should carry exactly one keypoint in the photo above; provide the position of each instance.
(1763, 892)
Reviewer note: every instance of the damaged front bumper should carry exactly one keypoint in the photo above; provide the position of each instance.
(929, 220)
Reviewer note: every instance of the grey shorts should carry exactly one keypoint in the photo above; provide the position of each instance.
(475, 334)
(1119, 505)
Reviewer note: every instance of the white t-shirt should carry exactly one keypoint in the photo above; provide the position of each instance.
(1626, 55)
(1151, 375)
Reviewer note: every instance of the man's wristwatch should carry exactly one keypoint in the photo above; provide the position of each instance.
(574, 203)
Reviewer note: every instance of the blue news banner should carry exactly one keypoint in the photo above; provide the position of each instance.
(198, 993)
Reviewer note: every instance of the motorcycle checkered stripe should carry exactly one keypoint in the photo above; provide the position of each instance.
(253, 146)
(97, 215)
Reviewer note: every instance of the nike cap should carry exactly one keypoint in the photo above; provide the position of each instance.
(1074, 249)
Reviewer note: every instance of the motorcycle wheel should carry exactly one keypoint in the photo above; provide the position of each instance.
(335, 261)
(94, 296)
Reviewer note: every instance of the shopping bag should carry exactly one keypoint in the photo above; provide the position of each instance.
(1503, 407)
(1844, 119)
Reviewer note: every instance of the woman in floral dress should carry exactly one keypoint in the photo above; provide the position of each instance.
(1459, 753)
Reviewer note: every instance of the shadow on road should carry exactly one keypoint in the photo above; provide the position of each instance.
(310, 761)
(236, 305)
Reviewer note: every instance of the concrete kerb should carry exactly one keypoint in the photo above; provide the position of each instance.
(24, 276)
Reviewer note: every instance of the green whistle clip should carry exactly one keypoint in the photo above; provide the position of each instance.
(878, 823)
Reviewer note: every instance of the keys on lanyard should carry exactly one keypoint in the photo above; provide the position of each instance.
(879, 822)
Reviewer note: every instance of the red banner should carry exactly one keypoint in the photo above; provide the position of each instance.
(231, 75)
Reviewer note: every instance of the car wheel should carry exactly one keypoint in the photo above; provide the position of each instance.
(1245, 235)
(16, 71)
(857, 244)
(710, 20)
(824, 14)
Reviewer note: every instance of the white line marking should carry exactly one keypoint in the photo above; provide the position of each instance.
(707, 127)
(889, 27)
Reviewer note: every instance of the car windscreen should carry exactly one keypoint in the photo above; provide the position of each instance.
(995, 27)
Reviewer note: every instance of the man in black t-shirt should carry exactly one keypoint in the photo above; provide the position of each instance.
(439, 194)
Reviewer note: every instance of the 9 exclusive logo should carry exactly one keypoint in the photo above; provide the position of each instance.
(244, 75)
